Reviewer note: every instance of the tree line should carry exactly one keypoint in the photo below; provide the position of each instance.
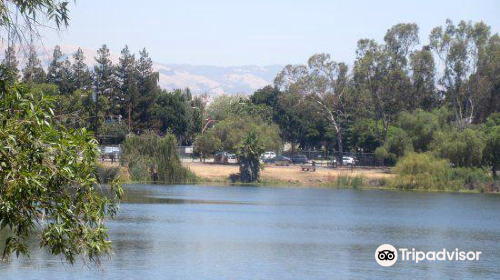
(397, 97)
(110, 99)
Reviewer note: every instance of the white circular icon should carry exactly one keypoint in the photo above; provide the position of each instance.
(386, 255)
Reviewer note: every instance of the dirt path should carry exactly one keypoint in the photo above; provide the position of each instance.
(285, 174)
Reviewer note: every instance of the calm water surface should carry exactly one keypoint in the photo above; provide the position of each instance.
(199, 232)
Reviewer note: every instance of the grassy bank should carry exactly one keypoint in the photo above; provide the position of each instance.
(428, 179)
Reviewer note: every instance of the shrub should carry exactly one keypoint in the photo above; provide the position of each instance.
(491, 153)
(207, 144)
(364, 134)
(398, 145)
(348, 181)
(470, 178)
(422, 171)
(461, 148)
(420, 127)
(151, 158)
(107, 174)
(357, 182)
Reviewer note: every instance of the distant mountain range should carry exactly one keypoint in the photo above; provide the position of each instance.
(200, 79)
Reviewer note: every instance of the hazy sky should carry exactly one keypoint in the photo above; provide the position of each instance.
(254, 32)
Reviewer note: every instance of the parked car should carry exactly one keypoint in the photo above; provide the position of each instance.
(282, 160)
(232, 158)
(221, 157)
(268, 155)
(268, 160)
(299, 159)
(348, 161)
(111, 152)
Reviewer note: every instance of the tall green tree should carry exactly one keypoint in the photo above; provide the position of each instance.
(147, 80)
(82, 78)
(171, 111)
(66, 85)
(104, 79)
(55, 70)
(104, 86)
(382, 72)
(486, 81)
(324, 82)
(10, 65)
(268, 95)
(459, 47)
(423, 93)
(127, 76)
(33, 71)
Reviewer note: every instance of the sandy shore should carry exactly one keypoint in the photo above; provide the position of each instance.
(286, 174)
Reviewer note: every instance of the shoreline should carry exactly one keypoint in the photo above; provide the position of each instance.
(292, 176)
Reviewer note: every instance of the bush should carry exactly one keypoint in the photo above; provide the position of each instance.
(231, 132)
(491, 153)
(348, 181)
(363, 133)
(422, 171)
(470, 178)
(107, 174)
(207, 144)
(461, 148)
(398, 145)
(151, 158)
(420, 127)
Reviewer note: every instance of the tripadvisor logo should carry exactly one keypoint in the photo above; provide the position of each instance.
(387, 255)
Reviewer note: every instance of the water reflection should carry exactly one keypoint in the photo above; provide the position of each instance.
(195, 232)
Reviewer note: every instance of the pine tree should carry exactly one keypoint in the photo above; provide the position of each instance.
(66, 85)
(148, 90)
(126, 73)
(55, 71)
(104, 80)
(82, 78)
(10, 64)
(33, 71)
(104, 85)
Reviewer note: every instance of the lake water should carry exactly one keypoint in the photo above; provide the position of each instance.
(200, 232)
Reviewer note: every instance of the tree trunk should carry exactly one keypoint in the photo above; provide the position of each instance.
(338, 129)
(129, 116)
(340, 145)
